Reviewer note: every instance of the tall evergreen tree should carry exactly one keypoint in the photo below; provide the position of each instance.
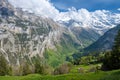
(115, 54)
(4, 69)
(112, 59)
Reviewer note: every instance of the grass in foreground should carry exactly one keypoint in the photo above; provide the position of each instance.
(111, 75)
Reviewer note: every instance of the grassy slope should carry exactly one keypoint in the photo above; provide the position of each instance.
(73, 75)
(66, 48)
(112, 75)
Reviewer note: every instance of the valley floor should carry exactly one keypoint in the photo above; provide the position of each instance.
(73, 75)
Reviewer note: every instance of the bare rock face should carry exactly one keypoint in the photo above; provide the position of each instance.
(24, 36)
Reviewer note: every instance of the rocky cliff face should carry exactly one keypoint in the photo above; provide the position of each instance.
(24, 35)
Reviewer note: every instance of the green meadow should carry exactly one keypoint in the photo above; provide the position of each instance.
(73, 75)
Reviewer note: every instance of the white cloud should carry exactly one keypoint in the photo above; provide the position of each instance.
(118, 9)
(42, 7)
(45, 8)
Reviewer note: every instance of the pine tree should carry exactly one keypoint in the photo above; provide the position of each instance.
(115, 54)
(4, 69)
(112, 59)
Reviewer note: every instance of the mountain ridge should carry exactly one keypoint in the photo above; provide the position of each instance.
(25, 36)
(105, 42)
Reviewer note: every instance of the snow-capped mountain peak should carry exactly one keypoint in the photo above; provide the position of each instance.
(99, 20)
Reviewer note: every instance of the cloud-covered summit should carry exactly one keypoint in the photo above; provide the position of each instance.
(46, 8)
(42, 7)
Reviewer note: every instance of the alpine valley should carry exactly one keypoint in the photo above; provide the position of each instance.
(28, 37)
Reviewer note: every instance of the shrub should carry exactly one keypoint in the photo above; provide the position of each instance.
(63, 69)
(92, 69)
(47, 70)
(81, 70)
(95, 69)
(39, 68)
(25, 68)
